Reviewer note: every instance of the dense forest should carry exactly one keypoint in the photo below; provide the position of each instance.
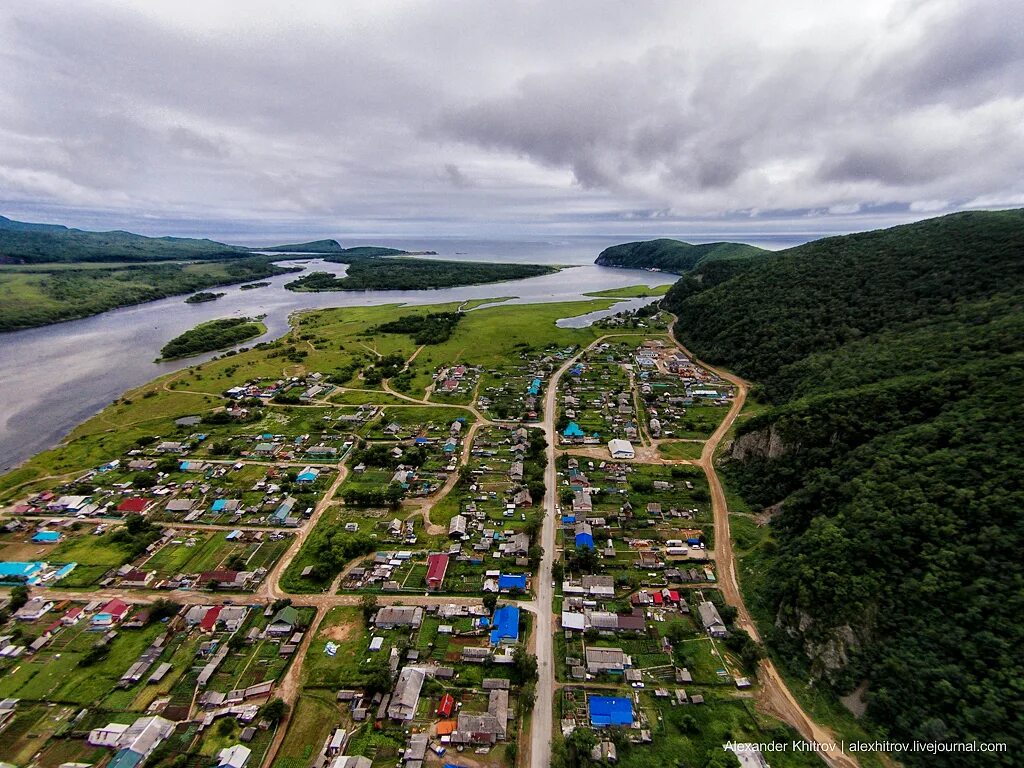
(431, 328)
(673, 255)
(33, 296)
(212, 335)
(25, 243)
(406, 274)
(893, 362)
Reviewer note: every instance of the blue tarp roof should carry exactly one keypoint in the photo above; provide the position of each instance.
(573, 430)
(506, 624)
(47, 536)
(512, 581)
(584, 540)
(610, 710)
(125, 758)
(566, 519)
(219, 504)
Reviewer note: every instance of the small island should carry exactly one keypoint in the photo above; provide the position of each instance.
(405, 274)
(202, 297)
(252, 286)
(212, 335)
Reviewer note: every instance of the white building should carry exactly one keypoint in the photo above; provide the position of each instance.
(621, 449)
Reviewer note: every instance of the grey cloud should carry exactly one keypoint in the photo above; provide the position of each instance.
(532, 115)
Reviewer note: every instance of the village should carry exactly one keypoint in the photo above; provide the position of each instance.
(372, 569)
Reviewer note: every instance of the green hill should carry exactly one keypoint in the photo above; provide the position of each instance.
(893, 363)
(672, 255)
(25, 243)
(314, 246)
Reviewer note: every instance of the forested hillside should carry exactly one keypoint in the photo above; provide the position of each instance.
(24, 243)
(673, 255)
(894, 364)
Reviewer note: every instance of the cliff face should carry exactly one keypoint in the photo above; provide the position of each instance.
(828, 649)
(763, 444)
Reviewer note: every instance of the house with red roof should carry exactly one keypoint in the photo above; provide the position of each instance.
(209, 621)
(437, 566)
(72, 617)
(444, 709)
(134, 504)
(110, 614)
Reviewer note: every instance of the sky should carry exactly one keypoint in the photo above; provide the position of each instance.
(250, 120)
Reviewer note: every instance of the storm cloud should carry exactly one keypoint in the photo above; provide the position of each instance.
(464, 117)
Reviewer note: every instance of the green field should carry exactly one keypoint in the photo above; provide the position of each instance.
(632, 292)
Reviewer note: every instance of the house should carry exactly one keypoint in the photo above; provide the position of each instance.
(505, 625)
(584, 536)
(406, 694)
(508, 582)
(284, 622)
(110, 614)
(711, 619)
(136, 578)
(573, 621)
(33, 609)
(486, 728)
(224, 578)
(598, 586)
(348, 761)
(604, 750)
(515, 472)
(134, 742)
(610, 710)
(475, 654)
(135, 505)
(581, 503)
(308, 475)
(522, 498)
(72, 617)
(621, 449)
(392, 616)
(610, 660)
(233, 757)
(516, 545)
(457, 527)
(437, 565)
(446, 705)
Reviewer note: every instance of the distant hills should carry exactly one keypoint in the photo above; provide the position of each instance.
(673, 255)
(26, 243)
(314, 246)
(892, 364)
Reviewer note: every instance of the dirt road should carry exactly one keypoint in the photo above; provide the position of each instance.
(775, 696)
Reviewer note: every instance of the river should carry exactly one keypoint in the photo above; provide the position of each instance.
(55, 377)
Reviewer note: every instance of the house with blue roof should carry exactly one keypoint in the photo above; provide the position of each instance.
(584, 536)
(506, 625)
(573, 430)
(610, 710)
(308, 475)
(510, 581)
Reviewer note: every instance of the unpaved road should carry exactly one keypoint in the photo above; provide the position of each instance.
(774, 696)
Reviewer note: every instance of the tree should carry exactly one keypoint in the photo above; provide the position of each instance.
(19, 596)
(368, 603)
(379, 679)
(490, 602)
(581, 743)
(274, 710)
(524, 665)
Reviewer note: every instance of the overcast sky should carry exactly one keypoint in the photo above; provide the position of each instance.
(250, 119)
